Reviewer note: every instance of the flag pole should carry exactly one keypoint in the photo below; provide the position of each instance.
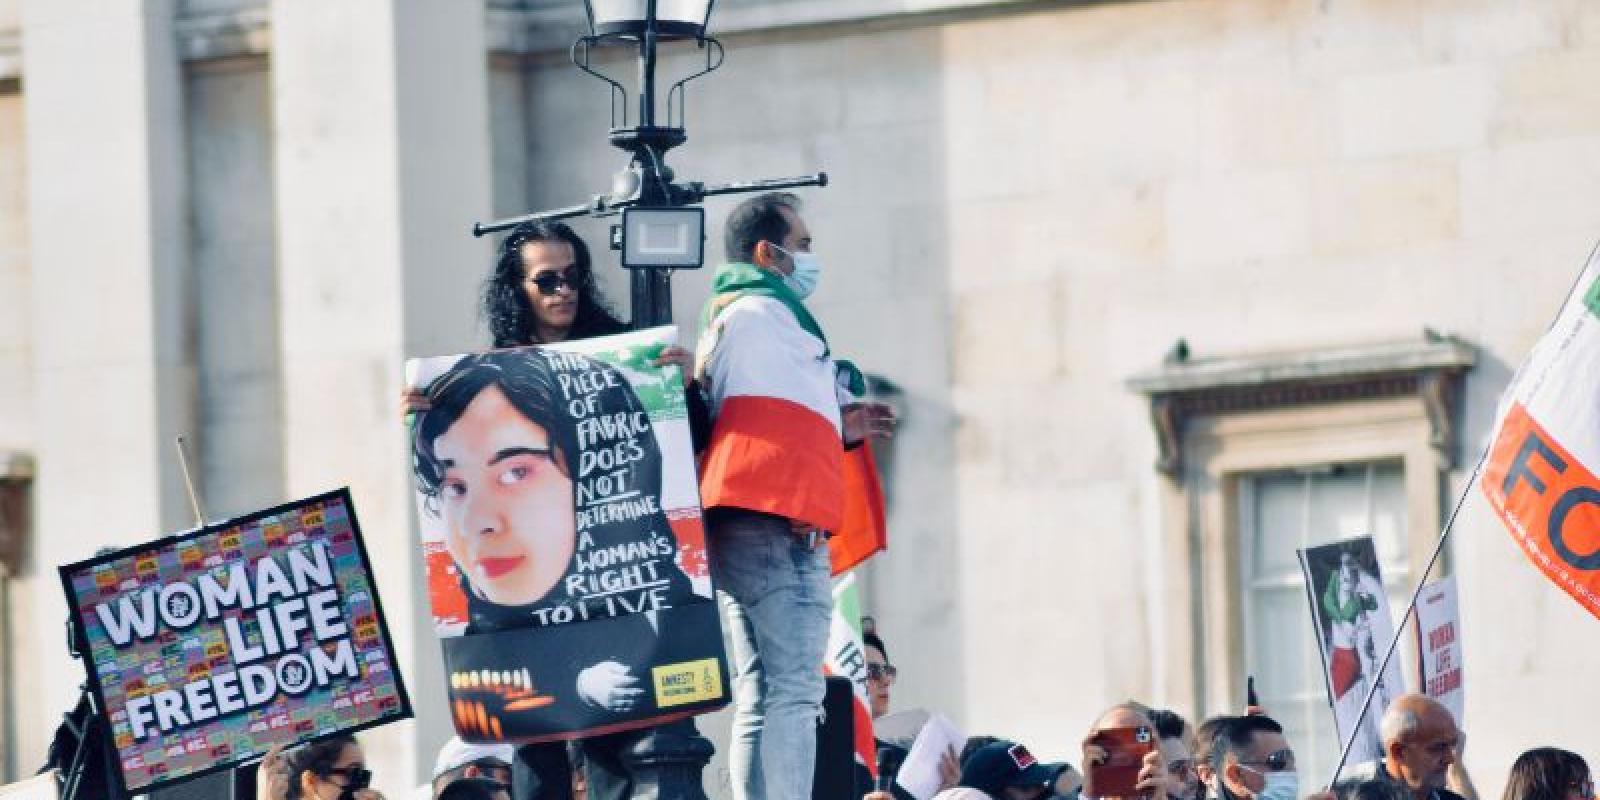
(1438, 547)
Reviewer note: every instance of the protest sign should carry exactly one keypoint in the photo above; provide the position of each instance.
(1439, 644)
(1350, 610)
(1544, 456)
(206, 648)
(560, 524)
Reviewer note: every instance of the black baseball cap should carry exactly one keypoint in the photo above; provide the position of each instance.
(1003, 764)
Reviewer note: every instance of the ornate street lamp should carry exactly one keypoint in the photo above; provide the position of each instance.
(662, 228)
(675, 19)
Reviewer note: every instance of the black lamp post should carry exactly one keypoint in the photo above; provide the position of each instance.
(662, 229)
(662, 226)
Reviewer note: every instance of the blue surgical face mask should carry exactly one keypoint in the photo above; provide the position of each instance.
(1280, 785)
(807, 271)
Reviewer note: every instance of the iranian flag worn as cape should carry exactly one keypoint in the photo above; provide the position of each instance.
(771, 438)
(847, 658)
(1545, 452)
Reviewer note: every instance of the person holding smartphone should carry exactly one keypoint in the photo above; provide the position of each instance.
(1121, 757)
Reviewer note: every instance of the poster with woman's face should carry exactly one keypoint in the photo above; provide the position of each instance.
(560, 523)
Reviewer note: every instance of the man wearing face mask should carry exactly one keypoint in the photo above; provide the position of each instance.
(1251, 760)
(773, 485)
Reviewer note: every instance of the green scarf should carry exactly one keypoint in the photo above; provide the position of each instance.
(738, 279)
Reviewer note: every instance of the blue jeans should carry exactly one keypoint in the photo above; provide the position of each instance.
(774, 589)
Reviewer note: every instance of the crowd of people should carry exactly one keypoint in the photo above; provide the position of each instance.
(1228, 757)
(1234, 757)
(772, 413)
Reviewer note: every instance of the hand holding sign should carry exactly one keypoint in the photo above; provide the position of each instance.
(272, 776)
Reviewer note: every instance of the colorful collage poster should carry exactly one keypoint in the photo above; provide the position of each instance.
(560, 521)
(207, 648)
(1354, 628)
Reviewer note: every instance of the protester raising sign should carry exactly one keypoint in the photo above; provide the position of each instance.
(561, 530)
(1545, 451)
(1353, 628)
(1439, 644)
(207, 648)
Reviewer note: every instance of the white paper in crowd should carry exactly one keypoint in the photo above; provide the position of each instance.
(919, 773)
(900, 728)
(39, 787)
(1439, 642)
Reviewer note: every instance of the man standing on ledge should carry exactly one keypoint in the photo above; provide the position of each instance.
(773, 484)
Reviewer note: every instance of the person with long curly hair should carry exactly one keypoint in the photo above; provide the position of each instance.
(542, 290)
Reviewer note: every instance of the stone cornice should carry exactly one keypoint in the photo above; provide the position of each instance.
(549, 26)
(1429, 369)
(545, 27)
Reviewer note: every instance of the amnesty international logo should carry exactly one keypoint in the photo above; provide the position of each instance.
(687, 682)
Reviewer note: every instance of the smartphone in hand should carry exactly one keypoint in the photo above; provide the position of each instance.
(1118, 775)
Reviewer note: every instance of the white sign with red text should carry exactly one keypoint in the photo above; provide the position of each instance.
(1439, 645)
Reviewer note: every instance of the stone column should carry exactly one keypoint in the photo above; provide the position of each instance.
(113, 365)
(382, 164)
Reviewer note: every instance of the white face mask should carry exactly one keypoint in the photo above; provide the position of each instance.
(807, 271)
(1280, 785)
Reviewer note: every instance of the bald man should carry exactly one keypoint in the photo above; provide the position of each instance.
(1419, 745)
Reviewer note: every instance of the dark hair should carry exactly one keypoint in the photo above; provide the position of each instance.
(528, 378)
(471, 789)
(872, 640)
(1206, 738)
(506, 309)
(1167, 723)
(1545, 773)
(316, 758)
(759, 219)
(1375, 790)
(1236, 734)
(526, 381)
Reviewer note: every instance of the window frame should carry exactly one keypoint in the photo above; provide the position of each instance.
(1224, 449)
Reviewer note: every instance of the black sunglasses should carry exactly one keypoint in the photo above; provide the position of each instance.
(550, 282)
(354, 777)
(878, 672)
(1278, 761)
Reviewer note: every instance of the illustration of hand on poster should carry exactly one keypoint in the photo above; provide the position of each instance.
(1354, 626)
(561, 529)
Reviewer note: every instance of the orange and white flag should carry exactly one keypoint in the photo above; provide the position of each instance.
(1544, 456)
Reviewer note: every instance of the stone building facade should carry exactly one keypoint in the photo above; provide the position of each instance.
(234, 219)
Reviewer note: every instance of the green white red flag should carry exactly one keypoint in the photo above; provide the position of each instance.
(847, 658)
(1544, 456)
